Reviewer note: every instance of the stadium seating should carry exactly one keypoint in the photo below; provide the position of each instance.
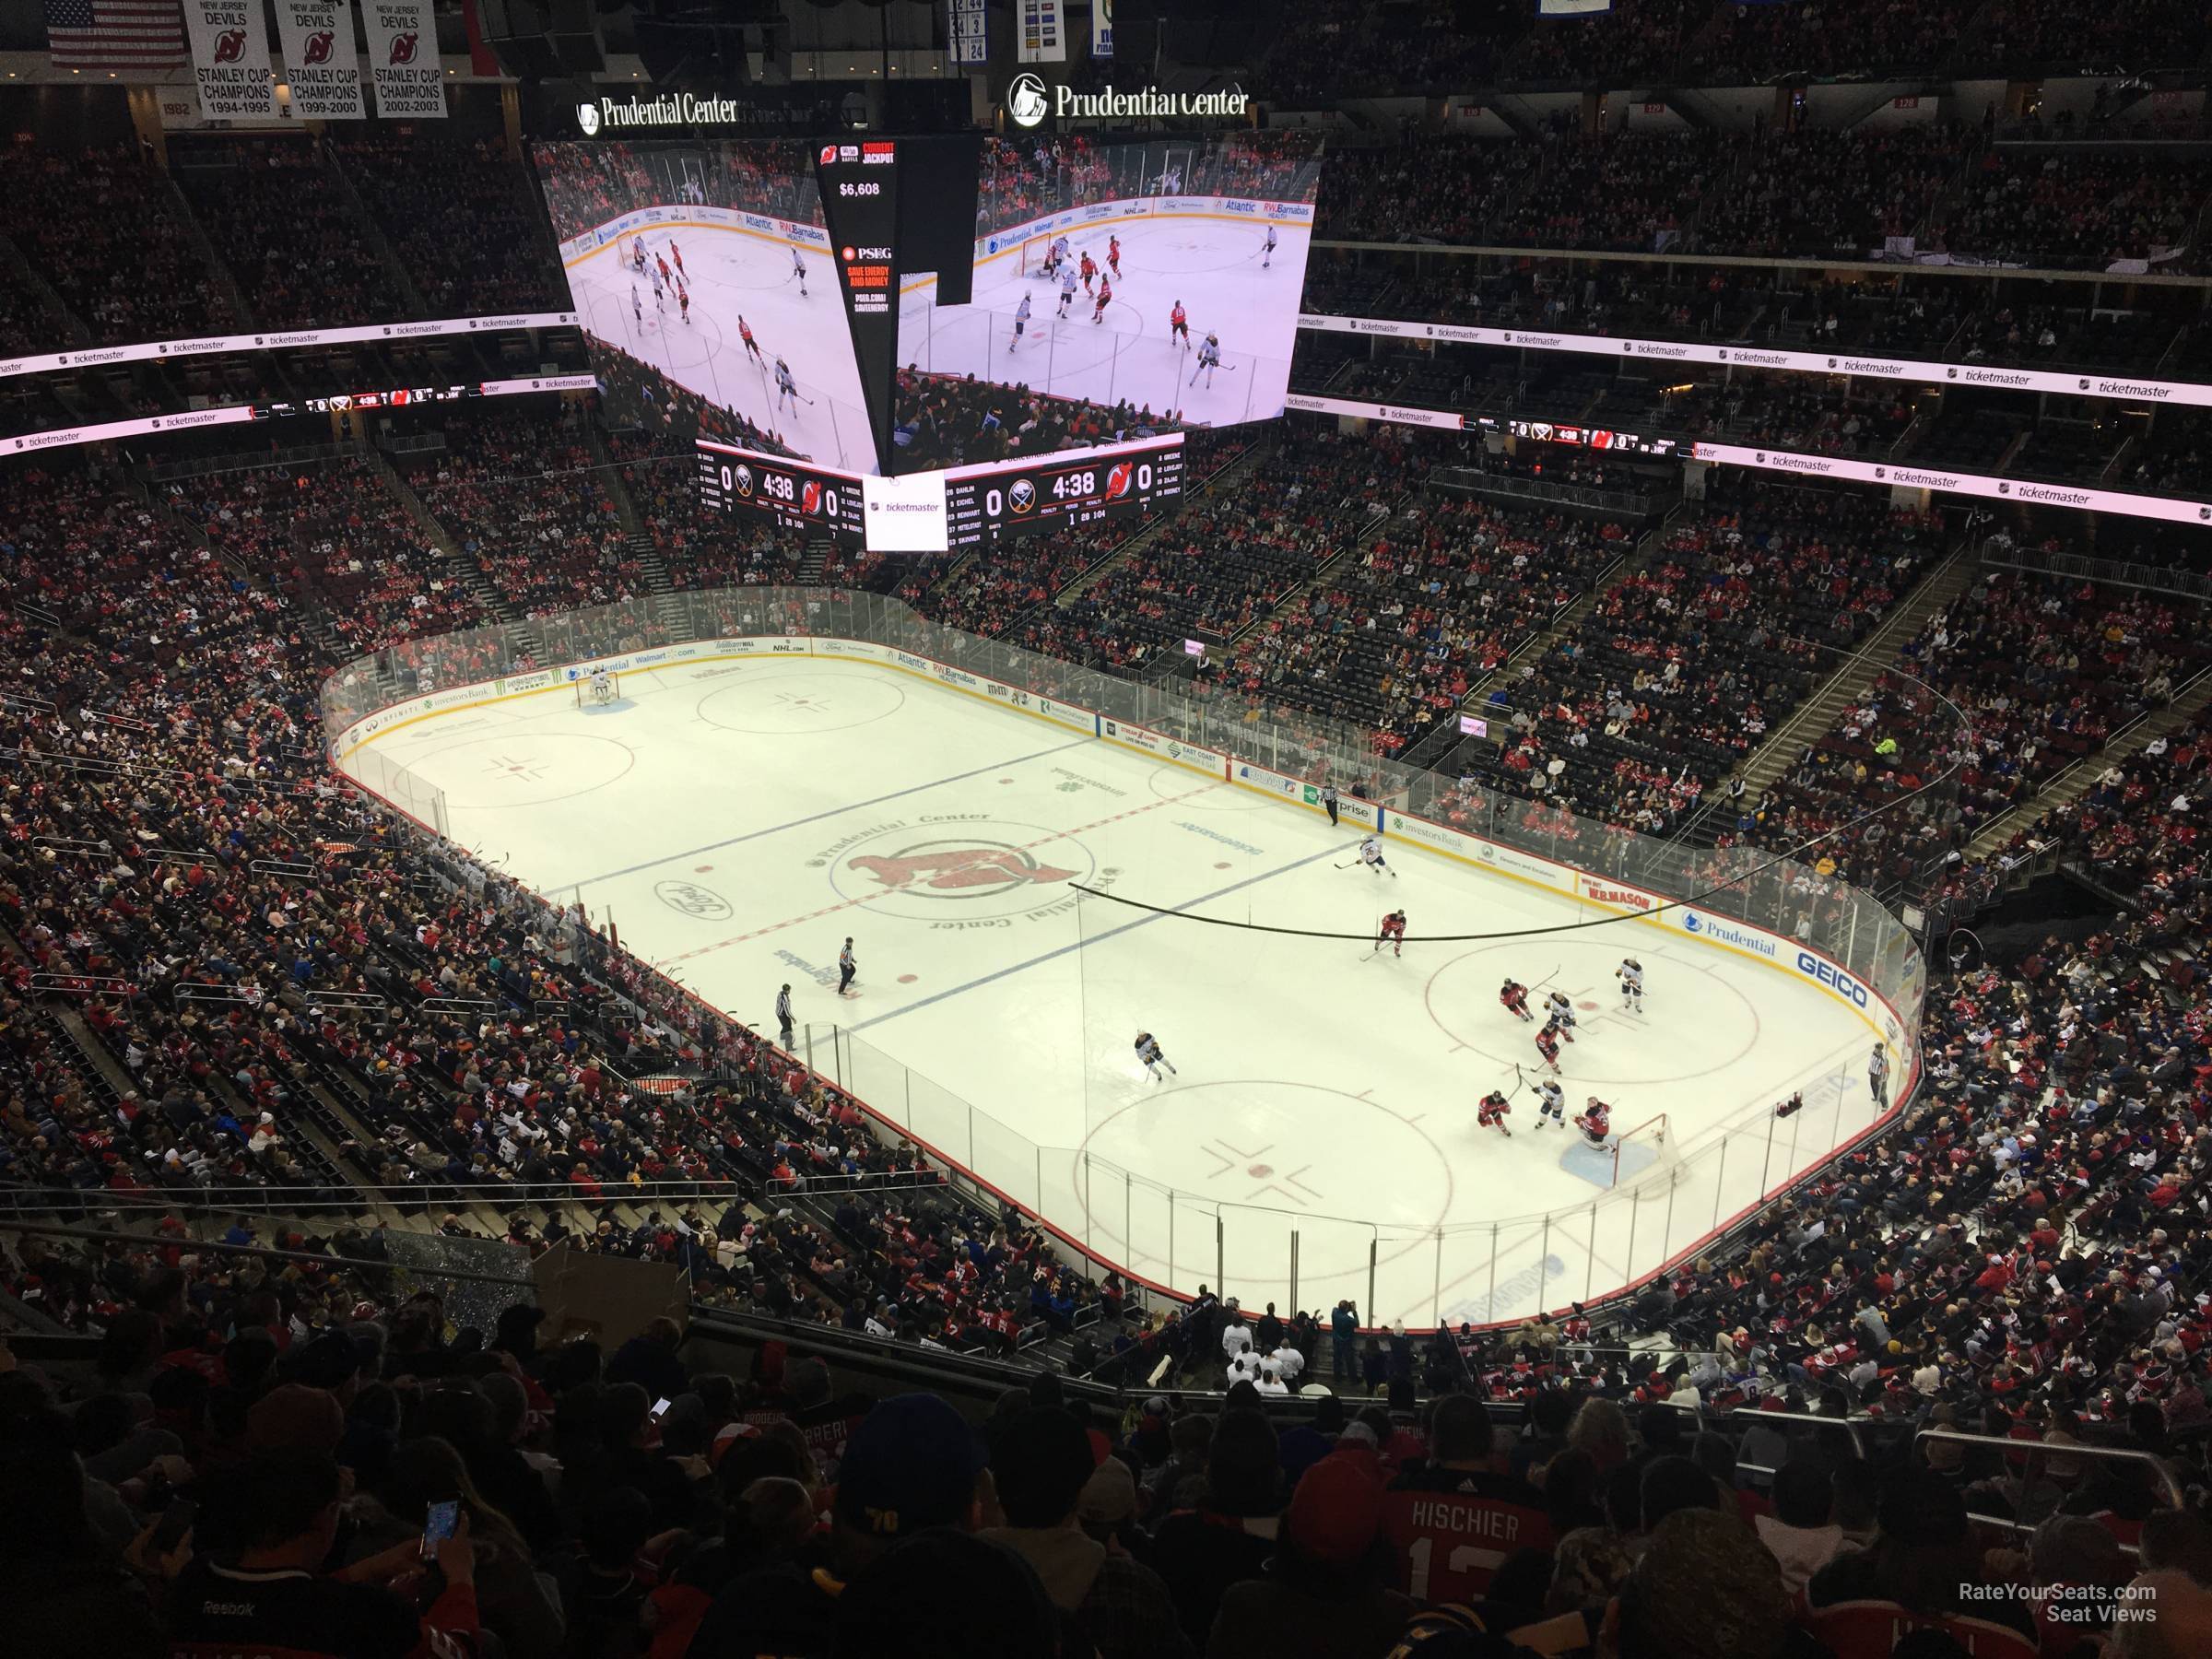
(308, 1090)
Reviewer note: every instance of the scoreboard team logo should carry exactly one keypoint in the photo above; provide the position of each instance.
(1022, 496)
(1118, 479)
(743, 482)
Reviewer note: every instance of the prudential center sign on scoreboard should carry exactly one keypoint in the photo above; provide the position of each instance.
(1030, 101)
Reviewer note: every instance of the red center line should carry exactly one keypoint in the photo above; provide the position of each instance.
(831, 910)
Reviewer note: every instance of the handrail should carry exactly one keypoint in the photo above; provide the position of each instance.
(2158, 1466)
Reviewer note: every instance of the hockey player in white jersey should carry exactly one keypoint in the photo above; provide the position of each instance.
(787, 389)
(1556, 1006)
(798, 269)
(1209, 358)
(1551, 1104)
(1630, 976)
(1067, 287)
(637, 305)
(1267, 249)
(1058, 256)
(1371, 854)
(1147, 1050)
(1021, 322)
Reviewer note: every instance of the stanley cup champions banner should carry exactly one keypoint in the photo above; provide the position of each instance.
(321, 63)
(402, 59)
(230, 60)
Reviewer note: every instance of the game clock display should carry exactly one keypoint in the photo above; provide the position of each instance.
(788, 494)
(1072, 487)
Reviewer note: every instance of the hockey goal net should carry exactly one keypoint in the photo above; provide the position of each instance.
(597, 688)
(1649, 1146)
(1033, 251)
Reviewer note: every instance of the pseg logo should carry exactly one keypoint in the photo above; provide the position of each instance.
(1026, 101)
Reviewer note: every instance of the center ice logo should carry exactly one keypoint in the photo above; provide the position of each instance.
(961, 870)
(1026, 101)
(958, 869)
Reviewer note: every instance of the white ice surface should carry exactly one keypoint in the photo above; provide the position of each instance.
(1211, 264)
(739, 274)
(737, 821)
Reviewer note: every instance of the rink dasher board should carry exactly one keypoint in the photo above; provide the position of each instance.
(1797, 961)
(671, 217)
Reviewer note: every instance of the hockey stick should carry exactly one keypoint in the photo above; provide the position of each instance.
(1547, 978)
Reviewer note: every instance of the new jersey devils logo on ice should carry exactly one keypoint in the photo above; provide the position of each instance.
(403, 48)
(318, 47)
(230, 46)
(958, 869)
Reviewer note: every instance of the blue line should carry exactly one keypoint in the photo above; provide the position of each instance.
(832, 811)
(1111, 933)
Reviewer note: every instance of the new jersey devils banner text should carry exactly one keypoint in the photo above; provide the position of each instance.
(230, 60)
(402, 59)
(321, 63)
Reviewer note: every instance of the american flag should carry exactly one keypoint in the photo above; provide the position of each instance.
(119, 35)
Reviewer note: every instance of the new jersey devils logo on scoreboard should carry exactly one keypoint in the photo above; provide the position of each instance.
(828, 154)
(810, 497)
(403, 48)
(230, 46)
(318, 47)
(1118, 480)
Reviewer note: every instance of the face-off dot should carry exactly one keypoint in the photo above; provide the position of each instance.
(906, 979)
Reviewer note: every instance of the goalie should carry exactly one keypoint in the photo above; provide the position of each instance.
(1595, 1122)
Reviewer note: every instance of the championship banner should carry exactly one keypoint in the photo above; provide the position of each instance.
(1043, 33)
(1101, 29)
(1572, 8)
(230, 60)
(402, 59)
(321, 63)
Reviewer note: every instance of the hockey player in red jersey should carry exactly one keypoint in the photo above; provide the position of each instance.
(1089, 268)
(745, 332)
(1113, 254)
(1490, 1112)
(1595, 1121)
(1514, 996)
(1393, 934)
(1179, 323)
(1097, 311)
(1547, 1044)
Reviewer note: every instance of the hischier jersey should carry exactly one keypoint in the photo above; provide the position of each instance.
(1451, 1529)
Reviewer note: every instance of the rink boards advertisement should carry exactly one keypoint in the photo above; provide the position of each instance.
(812, 237)
(1094, 213)
(1785, 955)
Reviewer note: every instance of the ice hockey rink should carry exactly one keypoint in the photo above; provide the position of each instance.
(738, 274)
(1217, 266)
(738, 821)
